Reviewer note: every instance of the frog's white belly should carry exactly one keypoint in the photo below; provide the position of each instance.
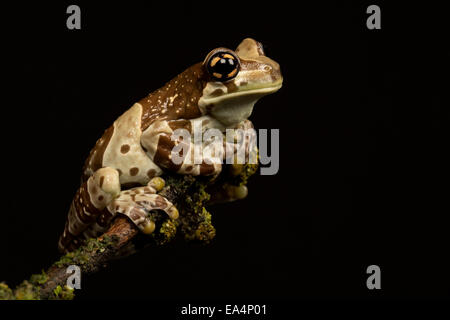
(125, 153)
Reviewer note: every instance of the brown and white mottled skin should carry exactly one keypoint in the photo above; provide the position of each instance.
(121, 173)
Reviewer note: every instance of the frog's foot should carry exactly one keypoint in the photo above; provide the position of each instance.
(226, 193)
(136, 203)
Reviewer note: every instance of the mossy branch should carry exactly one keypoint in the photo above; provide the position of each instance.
(189, 194)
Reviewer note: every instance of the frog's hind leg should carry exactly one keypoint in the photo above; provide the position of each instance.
(88, 215)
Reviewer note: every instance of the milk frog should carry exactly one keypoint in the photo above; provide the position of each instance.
(122, 172)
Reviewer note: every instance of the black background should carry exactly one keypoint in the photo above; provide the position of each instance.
(363, 173)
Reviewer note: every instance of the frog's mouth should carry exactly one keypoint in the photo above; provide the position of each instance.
(247, 90)
(232, 108)
(270, 88)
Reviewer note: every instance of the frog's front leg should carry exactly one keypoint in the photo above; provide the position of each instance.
(100, 198)
(160, 142)
(240, 145)
(137, 202)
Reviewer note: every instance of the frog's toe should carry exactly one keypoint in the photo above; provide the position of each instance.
(148, 227)
(157, 183)
(227, 193)
(239, 192)
(236, 169)
(174, 214)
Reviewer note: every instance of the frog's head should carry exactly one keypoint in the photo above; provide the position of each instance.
(237, 79)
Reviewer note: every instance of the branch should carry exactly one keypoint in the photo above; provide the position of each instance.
(189, 194)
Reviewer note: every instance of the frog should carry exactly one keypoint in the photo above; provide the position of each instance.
(122, 173)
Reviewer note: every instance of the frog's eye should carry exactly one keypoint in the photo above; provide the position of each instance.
(223, 65)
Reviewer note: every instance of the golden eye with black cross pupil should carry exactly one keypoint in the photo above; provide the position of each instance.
(223, 66)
